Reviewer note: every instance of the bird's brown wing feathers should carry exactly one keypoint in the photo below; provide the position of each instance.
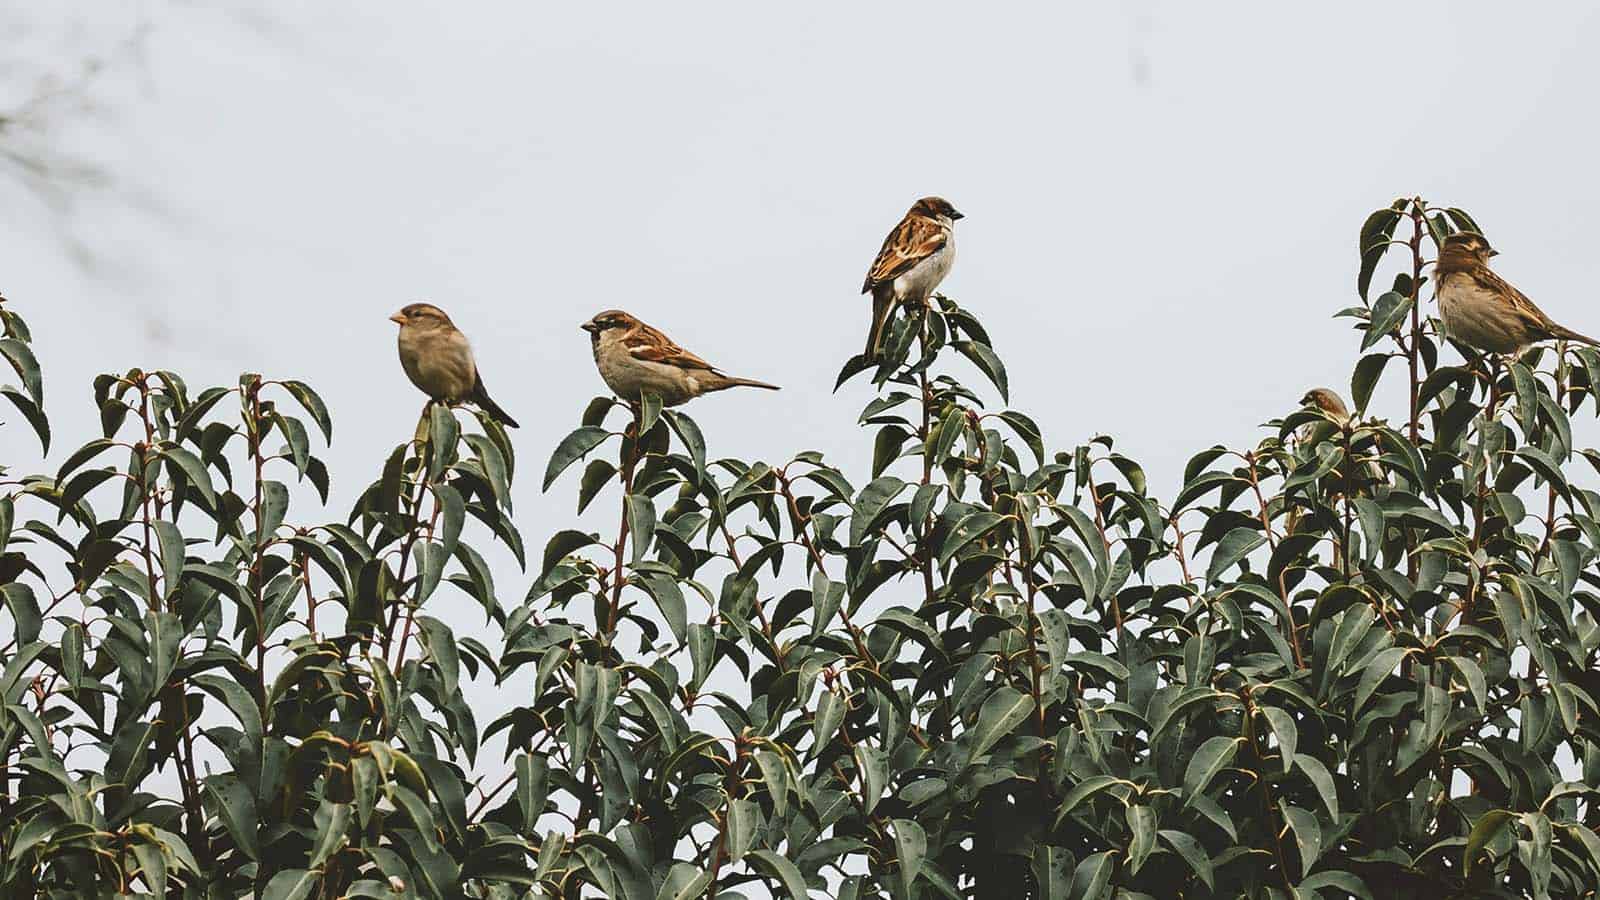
(649, 344)
(1540, 326)
(913, 240)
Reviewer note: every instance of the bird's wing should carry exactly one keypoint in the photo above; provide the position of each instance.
(915, 239)
(648, 344)
(1524, 308)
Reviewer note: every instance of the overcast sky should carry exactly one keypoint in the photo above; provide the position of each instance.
(1162, 200)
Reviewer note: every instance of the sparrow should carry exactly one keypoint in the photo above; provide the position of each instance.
(634, 359)
(1329, 401)
(1361, 478)
(438, 359)
(1480, 309)
(914, 258)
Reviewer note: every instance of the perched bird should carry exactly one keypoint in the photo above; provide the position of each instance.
(1480, 309)
(914, 258)
(1329, 401)
(634, 359)
(438, 359)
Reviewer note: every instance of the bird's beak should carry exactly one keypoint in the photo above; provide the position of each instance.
(398, 319)
(1494, 252)
(590, 327)
(954, 215)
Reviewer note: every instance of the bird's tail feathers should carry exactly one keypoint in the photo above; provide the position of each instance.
(1567, 334)
(729, 381)
(882, 306)
(481, 397)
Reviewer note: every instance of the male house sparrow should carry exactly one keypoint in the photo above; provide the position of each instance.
(438, 359)
(635, 359)
(1480, 309)
(914, 258)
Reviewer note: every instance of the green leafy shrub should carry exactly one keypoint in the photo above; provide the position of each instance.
(1355, 659)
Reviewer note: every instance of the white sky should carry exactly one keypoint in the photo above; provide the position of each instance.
(1162, 200)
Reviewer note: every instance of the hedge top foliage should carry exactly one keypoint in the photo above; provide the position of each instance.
(1354, 659)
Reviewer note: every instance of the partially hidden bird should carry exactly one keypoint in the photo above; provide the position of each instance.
(915, 257)
(635, 359)
(438, 359)
(1483, 311)
(1329, 401)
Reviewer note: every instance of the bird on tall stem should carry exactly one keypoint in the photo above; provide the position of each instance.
(438, 360)
(1481, 309)
(914, 259)
(635, 359)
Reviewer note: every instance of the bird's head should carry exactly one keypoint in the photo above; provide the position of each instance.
(936, 207)
(1467, 245)
(425, 316)
(604, 321)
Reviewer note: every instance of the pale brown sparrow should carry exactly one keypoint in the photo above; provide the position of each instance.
(1329, 401)
(438, 359)
(914, 258)
(1480, 309)
(634, 358)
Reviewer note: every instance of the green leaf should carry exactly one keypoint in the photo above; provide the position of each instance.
(21, 358)
(649, 411)
(1547, 469)
(1091, 880)
(641, 523)
(872, 501)
(1365, 378)
(1307, 834)
(1322, 780)
(1483, 831)
(193, 471)
(1082, 791)
(669, 600)
(910, 847)
(1283, 727)
(825, 722)
(1589, 841)
(237, 809)
(1212, 757)
(441, 644)
(1374, 673)
(291, 884)
(1005, 709)
(1142, 822)
(1234, 546)
(988, 362)
(1388, 311)
(312, 403)
(743, 817)
(693, 440)
(332, 820)
(26, 618)
(31, 412)
(971, 527)
(172, 555)
(684, 882)
(1375, 234)
(776, 778)
(1344, 881)
(1026, 429)
(571, 449)
(874, 768)
(1193, 854)
(533, 787)
(776, 867)
(1052, 872)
